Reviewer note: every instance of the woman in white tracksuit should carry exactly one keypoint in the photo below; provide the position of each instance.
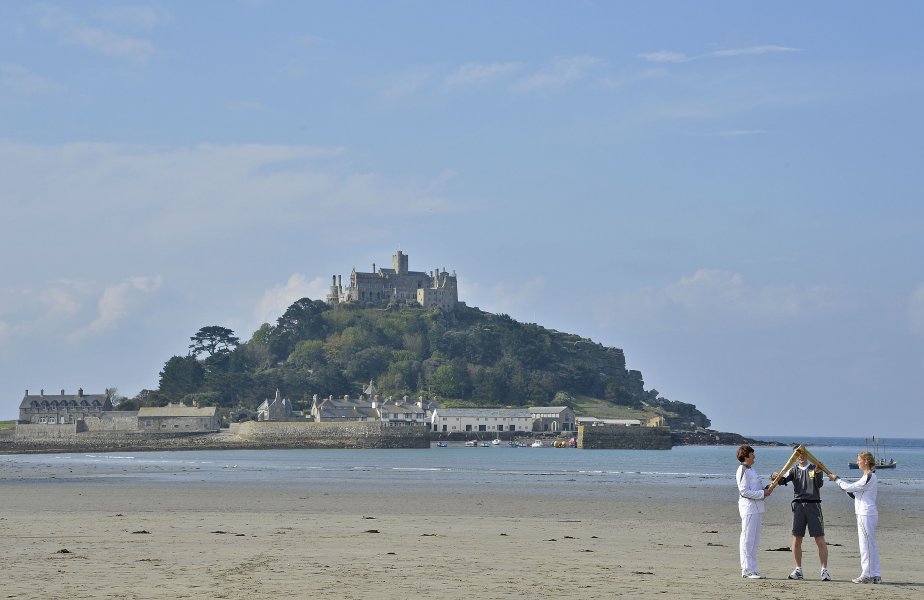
(751, 494)
(863, 492)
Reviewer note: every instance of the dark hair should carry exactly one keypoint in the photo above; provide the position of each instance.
(744, 451)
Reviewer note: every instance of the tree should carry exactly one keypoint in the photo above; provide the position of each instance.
(303, 320)
(213, 340)
(448, 382)
(181, 375)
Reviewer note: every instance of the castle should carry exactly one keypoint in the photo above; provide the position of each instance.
(398, 284)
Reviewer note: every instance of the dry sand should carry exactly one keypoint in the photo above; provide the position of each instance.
(87, 540)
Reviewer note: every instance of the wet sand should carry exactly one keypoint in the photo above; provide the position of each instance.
(98, 539)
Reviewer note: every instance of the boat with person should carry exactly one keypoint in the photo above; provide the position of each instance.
(880, 461)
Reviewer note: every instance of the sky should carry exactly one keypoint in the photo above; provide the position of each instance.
(728, 191)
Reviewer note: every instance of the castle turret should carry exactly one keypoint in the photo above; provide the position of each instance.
(399, 263)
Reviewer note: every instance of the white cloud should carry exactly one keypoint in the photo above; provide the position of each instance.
(667, 56)
(561, 72)
(398, 86)
(475, 73)
(514, 298)
(22, 81)
(664, 56)
(138, 17)
(116, 302)
(741, 132)
(166, 195)
(73, 31)
(916, 309)
(277, 299)
(718, 300)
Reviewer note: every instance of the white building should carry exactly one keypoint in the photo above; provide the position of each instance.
(488, 420)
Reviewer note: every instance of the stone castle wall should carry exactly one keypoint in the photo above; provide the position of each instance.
(618, 436)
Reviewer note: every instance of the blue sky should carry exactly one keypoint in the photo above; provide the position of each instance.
(728, 192)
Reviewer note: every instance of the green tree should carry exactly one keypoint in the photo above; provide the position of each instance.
(303, 320)
(213, 340)
(448, 382)
(181, 375)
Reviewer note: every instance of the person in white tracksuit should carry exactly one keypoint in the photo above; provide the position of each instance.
(863, 492)
(751, 494)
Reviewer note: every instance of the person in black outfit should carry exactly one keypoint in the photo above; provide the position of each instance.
(806, 512)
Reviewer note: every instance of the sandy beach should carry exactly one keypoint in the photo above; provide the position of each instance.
(74, 539)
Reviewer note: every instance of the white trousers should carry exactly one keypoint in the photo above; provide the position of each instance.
(750, 540)
(869, 550)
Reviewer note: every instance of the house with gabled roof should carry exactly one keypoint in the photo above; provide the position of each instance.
(553, 418)
(343, 409)
(277, 409)
(61, 408)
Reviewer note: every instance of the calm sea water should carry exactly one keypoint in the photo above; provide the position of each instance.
(552, 470)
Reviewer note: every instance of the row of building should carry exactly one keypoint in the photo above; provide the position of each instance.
(95, 412)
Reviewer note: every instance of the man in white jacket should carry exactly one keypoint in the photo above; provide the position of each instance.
(751, 494)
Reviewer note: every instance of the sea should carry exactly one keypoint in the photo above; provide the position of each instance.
(458, 468)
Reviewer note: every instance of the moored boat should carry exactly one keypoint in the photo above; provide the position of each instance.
(881, 463)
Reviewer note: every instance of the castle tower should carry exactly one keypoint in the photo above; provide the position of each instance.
(399, 263)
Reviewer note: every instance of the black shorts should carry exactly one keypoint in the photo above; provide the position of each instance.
(807, 514)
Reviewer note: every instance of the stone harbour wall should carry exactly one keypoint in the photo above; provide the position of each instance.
(41, 438)
(622, 437)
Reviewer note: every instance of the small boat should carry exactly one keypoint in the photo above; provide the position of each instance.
(496, 442)
(881, 463)
(536, 444)
(485, 445)
(513, 445)
(442, 444)
(471, 444)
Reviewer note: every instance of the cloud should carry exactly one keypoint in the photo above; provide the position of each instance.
(20, 80)
(67, 305)
(99, 40)
(476, 74)
(718, 300)
(115, 304)
(137, 17)
(398, 86)
(667, 56)
(277, 299)
(514, 298)
(167, 195)
(559, 73)
(740, 132)
(916, 309)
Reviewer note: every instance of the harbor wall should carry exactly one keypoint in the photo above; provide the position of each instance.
(622, 437)
(35, 437)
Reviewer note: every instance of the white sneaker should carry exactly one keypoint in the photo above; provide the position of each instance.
(862, 579)
(752, 575)
(796, 573)
(825, 576)
(877, 579)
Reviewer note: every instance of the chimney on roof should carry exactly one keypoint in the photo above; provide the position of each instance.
(27, 391)
(41, 392)
(62, 391)
(80, 392)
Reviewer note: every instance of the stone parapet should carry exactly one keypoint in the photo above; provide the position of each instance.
(621, 437)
